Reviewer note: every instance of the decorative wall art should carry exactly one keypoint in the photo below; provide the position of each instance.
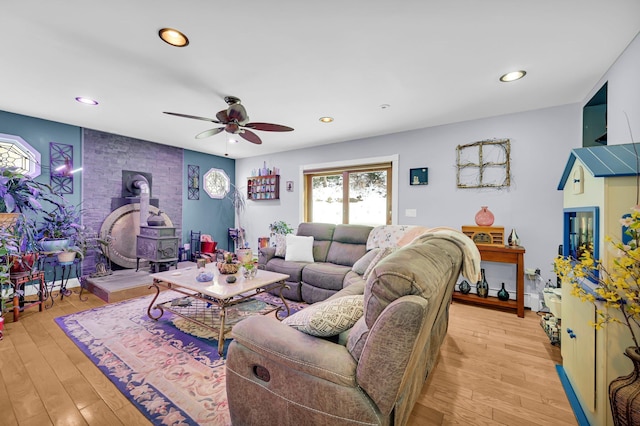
(61, 165)
(216, 183)
(289, 186)
(484, 164)
(193, 179)
(419, 176)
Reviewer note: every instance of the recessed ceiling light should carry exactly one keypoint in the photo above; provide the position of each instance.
(86, 101)
(512, 76)
(173, 37)
(385, 106)
(326, 119)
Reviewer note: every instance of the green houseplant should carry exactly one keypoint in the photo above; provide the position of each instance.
(59, 227)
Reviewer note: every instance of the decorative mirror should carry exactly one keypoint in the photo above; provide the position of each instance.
(216, 183)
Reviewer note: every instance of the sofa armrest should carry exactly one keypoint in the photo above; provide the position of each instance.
(295, 350)
(265, 254)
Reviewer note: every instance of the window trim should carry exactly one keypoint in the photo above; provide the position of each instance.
(356, 163)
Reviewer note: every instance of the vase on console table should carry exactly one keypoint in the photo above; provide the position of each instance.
(482, 287)
(484, 217)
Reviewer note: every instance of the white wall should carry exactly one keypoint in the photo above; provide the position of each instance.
(540, 144)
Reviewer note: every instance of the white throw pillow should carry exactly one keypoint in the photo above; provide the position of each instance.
(328, 318)
(299, 248)
(281, 244)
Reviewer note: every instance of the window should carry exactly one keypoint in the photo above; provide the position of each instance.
(216, 183)
(16, 152)
(352, 194)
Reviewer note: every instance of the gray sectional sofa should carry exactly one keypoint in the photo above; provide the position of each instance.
(335, 250)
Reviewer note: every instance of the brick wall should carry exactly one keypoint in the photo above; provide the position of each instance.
(105, 155)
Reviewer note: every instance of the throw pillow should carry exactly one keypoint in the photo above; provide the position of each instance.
(281, 244)
(363, 263)
(378, 257)
(299, 249)
(328, 318)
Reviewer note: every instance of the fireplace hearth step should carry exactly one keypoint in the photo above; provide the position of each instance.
(125, 284)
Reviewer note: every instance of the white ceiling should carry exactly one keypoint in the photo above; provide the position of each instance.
(292, 61)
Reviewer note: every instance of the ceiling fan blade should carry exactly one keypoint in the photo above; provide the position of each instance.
(209, 132)
(268, 127)
(222, 116)
(237, 112)
(191, 116)
(250, 136)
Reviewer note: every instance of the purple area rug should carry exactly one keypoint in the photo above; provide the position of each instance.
(171, 376)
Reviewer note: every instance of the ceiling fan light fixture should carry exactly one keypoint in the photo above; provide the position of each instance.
(173, 37)
(326, 119)
(513, 76)
(86, 101)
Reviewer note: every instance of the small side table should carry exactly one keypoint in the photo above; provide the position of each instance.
(19, 280)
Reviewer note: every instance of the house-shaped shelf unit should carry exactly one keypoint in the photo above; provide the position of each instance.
(599, 183)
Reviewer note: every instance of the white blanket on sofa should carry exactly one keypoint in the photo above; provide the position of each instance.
(471, 255)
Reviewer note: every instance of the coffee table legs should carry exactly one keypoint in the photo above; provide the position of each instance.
(153, 301)
(223, 315)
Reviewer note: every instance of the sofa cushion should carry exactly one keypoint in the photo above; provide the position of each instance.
(349, 244)
(422, 269)
(299, 249)
(293, 269)
(363, 263)
(328, 318)
(380, 254)
(325, 275)
(322, 234)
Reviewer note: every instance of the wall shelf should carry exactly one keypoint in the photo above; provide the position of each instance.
(263, 188)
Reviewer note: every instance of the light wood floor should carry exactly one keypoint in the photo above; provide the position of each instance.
(494, 368)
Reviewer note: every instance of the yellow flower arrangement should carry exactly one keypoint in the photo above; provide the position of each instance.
(618, 286)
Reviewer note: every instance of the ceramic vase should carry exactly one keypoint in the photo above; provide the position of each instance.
(464, 287)
(482, 287)
(503, 294)
(623, 394)
(484, 217)
(513, 240)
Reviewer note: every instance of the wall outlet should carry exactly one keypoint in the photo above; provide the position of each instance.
(411, 213)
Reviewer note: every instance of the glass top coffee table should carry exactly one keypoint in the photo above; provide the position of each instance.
(218, 292)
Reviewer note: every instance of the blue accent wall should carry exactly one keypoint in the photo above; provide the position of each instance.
(38, 133)
(207, 215)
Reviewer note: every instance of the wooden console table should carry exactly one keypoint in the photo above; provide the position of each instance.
(501, 254)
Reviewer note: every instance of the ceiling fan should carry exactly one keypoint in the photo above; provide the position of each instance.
(236, 121)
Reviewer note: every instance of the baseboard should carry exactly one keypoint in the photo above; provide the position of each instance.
(31, 289)
(572, 397)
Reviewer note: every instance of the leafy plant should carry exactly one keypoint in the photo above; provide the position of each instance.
(20, 193)
(280, 227)
(8, 246)
(63, 221)
(617, 286)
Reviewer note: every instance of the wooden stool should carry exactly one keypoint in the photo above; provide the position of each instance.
(20, 279)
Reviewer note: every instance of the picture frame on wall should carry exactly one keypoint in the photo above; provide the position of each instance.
(419, 176)
(289, 186)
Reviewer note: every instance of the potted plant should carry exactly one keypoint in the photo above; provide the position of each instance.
(280, 227)
(59, 227)
(239, 203)
(616, 297)
(68, 254)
